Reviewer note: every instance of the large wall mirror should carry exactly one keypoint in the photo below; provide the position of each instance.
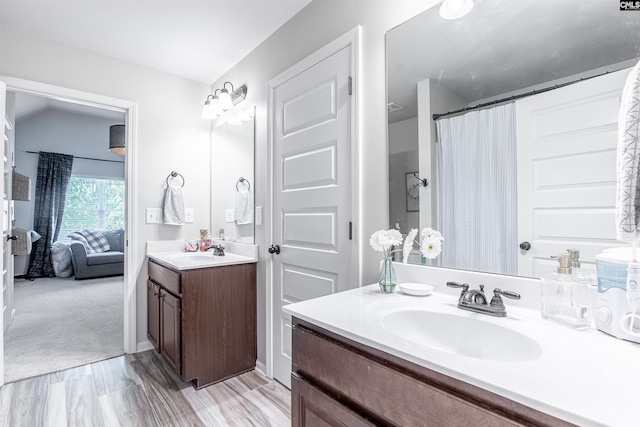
(233, 178)
(530, 174)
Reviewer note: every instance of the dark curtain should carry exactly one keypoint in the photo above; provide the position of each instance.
(54, 172)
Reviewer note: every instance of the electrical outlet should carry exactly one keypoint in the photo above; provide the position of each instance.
(230, 215)
(153, 216)
(258, 215)
(188, 216)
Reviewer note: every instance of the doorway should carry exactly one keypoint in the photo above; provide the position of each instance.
(127, 110)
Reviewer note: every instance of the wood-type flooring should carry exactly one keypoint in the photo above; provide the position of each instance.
(140, 390)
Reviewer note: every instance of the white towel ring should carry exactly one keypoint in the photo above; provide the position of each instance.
(175, 174)
(243, 180)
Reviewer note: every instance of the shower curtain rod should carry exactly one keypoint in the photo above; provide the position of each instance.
(84, 158)
(514, 97)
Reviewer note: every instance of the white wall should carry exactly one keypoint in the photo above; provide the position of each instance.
(403, 158)
(315, 26)
(171, 135)
(66, 133)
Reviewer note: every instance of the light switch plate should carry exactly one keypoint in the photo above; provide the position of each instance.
(188, 215)
(153, 216)
(229, 215)
(258, 215)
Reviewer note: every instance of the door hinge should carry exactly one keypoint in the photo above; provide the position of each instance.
(350, 230)
(350, 85)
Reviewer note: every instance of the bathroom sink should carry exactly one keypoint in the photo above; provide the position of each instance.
(192, 260)
(461, 335)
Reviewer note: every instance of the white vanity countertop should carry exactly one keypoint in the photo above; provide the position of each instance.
(584, 377)
(170, 254)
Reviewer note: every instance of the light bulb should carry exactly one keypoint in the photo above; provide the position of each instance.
(225, 100)
(207, 112)
(454, 9)
(216, 110)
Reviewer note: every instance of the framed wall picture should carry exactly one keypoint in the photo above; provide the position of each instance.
(413, 192)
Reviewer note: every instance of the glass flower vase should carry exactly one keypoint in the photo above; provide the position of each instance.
(424, 260)
(387, 277)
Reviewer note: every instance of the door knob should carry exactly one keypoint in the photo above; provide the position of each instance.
(12, 238)
(525, 246)
(274, 249)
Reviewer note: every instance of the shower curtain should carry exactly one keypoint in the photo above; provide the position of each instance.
(476, 190)
(52, 181)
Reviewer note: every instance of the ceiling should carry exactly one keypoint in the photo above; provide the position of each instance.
(27, 105)
(505, 46)
(195, 39)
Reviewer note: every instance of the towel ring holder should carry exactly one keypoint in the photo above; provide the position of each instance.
(243, 180)
(175, 174)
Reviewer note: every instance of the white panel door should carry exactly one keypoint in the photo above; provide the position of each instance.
(567, 172)
(311, 192)
(3, 100)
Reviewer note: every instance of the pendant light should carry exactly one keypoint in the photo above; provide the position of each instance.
(117, 139)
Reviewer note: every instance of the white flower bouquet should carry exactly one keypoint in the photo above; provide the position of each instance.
(384, 240)
(430, 243)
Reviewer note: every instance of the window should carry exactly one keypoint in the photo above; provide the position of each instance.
(93, 203)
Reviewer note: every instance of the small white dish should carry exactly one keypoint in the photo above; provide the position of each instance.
(416, 289)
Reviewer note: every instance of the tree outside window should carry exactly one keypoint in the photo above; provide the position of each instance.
(93, 203)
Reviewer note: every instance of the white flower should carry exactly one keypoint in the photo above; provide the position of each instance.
(431, 233)
(383, 240)
(431, 246)
(408, 244)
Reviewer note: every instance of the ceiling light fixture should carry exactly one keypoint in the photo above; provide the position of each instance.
(117, 139)
(454, 9)
(215, 105)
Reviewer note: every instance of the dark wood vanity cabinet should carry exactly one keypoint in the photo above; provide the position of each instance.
(339, 382)
(203, 321)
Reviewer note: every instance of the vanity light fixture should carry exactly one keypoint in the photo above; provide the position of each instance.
(454, 9)
(215, 105)
(117, 139)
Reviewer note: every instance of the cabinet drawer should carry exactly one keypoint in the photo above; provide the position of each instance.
(169, 279)
(389, 395)
(311, 407)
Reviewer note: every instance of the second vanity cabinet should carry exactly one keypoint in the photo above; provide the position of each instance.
(337, 381)
(203, 321)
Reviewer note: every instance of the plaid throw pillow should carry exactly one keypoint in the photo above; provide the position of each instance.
(93, 240)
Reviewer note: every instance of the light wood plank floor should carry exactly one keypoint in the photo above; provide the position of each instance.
(140, 390)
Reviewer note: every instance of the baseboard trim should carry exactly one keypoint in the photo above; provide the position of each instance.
(144, 346)
(261, 367)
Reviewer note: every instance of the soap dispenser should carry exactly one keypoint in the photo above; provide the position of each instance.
(585, 274)
(565, 296)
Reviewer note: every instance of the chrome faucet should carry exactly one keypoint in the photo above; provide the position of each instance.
(218, 250)
(475, 300)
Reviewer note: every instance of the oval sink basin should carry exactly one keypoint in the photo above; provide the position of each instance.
(464, 336)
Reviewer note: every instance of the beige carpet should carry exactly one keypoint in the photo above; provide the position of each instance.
(63, 323)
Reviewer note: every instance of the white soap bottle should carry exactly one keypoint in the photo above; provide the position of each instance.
(565, 296)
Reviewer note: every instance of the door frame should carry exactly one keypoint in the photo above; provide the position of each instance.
(349, 39)
(129, 108)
